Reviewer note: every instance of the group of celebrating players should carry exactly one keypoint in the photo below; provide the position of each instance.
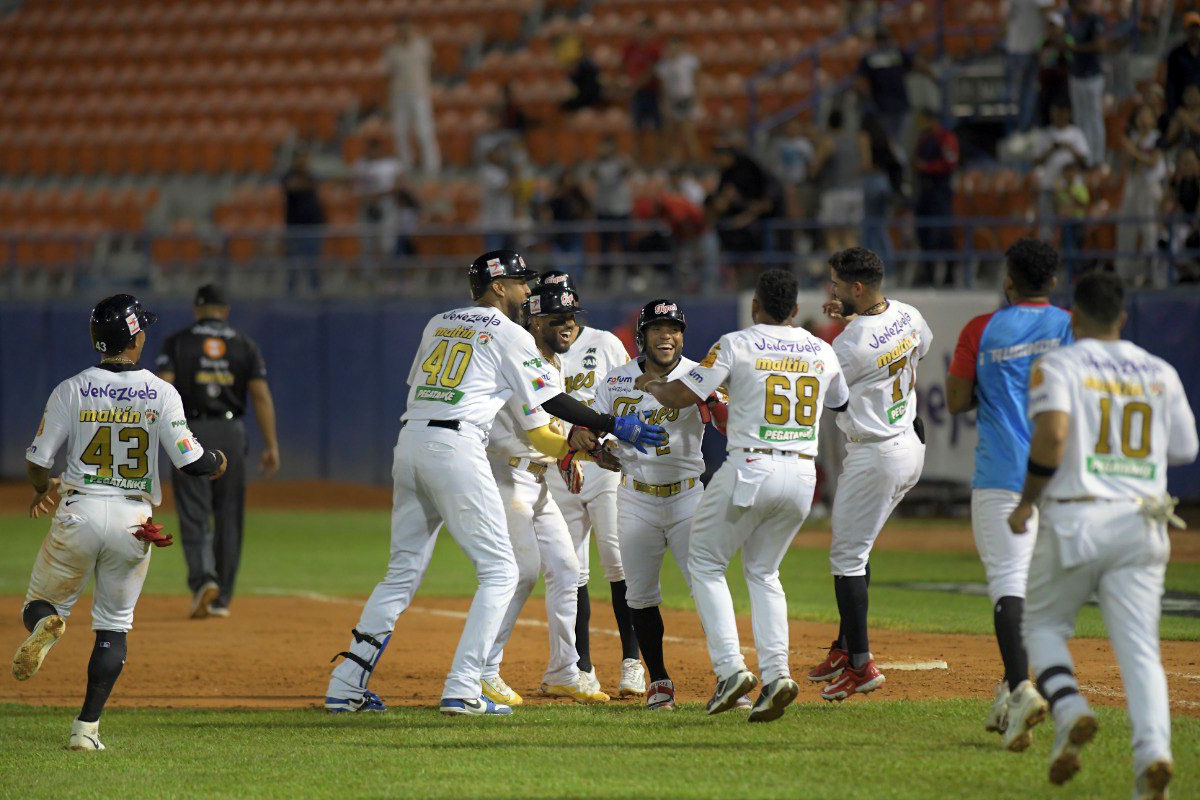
(509, 390)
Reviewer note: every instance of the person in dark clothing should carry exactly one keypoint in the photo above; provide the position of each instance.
(510, 115)
(936, 160)
(883, 182)
(568, 204)
(585, 76)
(882, 74)
(746, 195)
(214, 367)
(1054, 68)
(1183, 62)
(302, 209)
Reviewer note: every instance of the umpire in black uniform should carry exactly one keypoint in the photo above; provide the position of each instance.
(213, 366)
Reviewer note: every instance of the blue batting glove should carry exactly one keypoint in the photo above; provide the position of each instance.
(631, 430)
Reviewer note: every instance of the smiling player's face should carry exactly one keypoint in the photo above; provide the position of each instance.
(556, 332)
(664, 342)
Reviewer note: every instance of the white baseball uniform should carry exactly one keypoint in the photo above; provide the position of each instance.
(778, 378)
(469, 363)
(593, 354)
(1102, 526)
(539, 536)
(112, 421)
(660, 489)
(878, 355)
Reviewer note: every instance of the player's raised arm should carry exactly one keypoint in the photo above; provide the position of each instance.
(700, 382)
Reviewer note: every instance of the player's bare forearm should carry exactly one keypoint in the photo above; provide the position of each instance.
(45, 489)
(1045, 452)
(264, 412)
(672, 394)
(39, 476)
(960, 395)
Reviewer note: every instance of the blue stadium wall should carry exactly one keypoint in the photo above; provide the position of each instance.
(337, 369)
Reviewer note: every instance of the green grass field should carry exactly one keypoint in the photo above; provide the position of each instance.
(864, 749)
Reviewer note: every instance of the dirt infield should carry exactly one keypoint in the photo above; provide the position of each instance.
(274, 653)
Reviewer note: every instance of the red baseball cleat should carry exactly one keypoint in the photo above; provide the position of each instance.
(829, 669)
(854, 681)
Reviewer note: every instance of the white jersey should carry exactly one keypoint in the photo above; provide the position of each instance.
(681, 456)
(113, 423)
(470, 362)
(593, 354)
(509, 439)
(1129, 416)
(778, 378)
(878, 356)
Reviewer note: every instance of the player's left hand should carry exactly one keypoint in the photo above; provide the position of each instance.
(222, 463)
(269, 463)
(1018, 520)
(640, 382)
(45, 502)
(571, 471)
(834, 309)
(583, 439)
(605, 458)
(633, 430)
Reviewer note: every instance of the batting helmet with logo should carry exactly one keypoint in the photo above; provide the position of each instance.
(548, 299)
(494, 265)
(116, 320)
(654, 311)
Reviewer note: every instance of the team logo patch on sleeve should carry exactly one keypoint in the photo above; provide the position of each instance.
(185, 446)
(529, 412)
(539, 382)
(711, 358)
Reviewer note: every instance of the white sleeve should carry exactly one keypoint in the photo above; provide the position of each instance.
(53, 430)
(1182, 444)
(412, 371)
(837, 393)
(526, 372)
(177, 439)
(528, 417)
(603, 401)
(847, 363)
(1049, 387)
(704, 378)
(926, 337)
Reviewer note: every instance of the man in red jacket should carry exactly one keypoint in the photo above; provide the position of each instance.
(936, 160)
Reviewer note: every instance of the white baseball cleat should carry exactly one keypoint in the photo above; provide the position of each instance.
(589, 677)
(1026, 708)
(32, 651)
(496, 690)
(1069, 739)
(633, 678)
(661, 696)
(85, 736)
(1152, 782)
(998, 715)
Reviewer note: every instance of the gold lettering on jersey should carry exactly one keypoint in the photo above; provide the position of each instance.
(1120, 388)
(782, 364)
(711, 358)
(897, 352)
(580, 381)
(210, 376)
(461, 332)
(122, 416)
(628, 405)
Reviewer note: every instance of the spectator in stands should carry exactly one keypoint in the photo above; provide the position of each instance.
(510, 115)
(408, 220)
(611, 196)
(585, 77)
(639, 62)
(1060, 144)
(303, 213)
(883, 74)
(497, 202)
(792, 154)
(1024, 36)
(746, 196)
(882, 182)
(837, 177)
(680, 100)
(697, 249)
(1085, 39)
(408, 62)
(376, 178)
(1183, 132)
(1054, 68)
(1180, 207)
(568, 205)
(1072, 202)
(1142, 198)
(1183, 62)
(936, 160)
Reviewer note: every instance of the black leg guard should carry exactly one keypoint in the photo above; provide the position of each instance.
(851, 594)
(629, 642)
(648, 625)
(583, 620)
(1055, 683)
(34, 612)
(108, 657)
(1006, 617)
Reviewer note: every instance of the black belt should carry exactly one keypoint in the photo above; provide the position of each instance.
(449, 424)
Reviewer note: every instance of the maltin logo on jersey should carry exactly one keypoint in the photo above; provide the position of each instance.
(439, 395)
(805, 433)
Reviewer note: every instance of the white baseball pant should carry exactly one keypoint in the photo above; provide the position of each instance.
(875, 477)
(1113, 551)
(1005, 556)
(649, 526)
(756, 502)
(593, 509)
(540, 541)
(93, 534)
(439, 475)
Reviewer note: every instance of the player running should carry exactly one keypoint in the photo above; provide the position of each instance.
(991, 369)
(778, 378)
(112, 417)
(592, 355)
(470, 361)
(878, 350)
(661, 488)
(524, 446)
(1108, 419)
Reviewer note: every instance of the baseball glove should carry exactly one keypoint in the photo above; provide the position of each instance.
(571, 471)
(149, 532)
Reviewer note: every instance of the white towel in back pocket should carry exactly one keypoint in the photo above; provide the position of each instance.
(750, 477)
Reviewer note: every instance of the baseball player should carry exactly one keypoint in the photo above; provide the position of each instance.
(661, 488)
(878, 350)
(523, 448)
(1108, 419)
(990, 371)
(592, 355)
(112, 417)
(470, 361)
(778, 378)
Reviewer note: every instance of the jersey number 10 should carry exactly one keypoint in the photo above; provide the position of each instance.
(1135, 409)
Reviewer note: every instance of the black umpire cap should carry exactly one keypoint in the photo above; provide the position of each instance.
(548, 300)
(116, 320)
(654, 311)
(210, 295)
(494, 265)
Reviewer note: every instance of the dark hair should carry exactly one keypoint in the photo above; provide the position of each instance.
(1032, 264)
(1100, 297)
(776, 293)
(858, 264)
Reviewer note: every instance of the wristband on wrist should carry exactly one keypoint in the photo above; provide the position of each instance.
(1039, 470)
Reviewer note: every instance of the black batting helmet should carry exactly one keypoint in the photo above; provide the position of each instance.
(496, 264)
(653, 312)
(547, 300)
(556, 277)
(116, 320)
